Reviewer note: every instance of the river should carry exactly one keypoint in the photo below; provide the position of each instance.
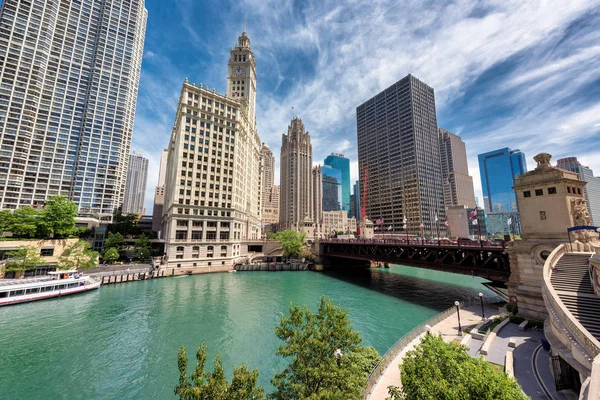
(121, 341)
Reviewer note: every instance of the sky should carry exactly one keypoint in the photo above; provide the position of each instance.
(518, 74)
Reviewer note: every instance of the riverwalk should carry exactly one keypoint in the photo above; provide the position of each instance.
(530, 362)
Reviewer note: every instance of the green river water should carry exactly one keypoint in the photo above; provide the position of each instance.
(121, 341)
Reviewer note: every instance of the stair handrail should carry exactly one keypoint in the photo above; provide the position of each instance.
(581, 335)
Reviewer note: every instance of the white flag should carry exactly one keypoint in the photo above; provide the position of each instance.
(474, 222)
(404, 221)
(509, 222)
(389, 228)
(436, 218)
(404, 226)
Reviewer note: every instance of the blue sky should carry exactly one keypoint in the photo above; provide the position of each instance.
(522, 74)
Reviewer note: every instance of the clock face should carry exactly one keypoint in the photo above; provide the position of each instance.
(238, 71)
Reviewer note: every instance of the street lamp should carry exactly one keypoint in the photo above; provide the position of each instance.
(338, 356)
(428, 329)
(481, 301)
(457, 304)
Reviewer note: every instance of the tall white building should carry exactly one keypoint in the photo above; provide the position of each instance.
(135, 187)
(159, 194)
(69, 75)
(212, 185)
(270, 192)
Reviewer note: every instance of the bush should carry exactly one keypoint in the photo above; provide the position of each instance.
(445, 371)
(515, 319)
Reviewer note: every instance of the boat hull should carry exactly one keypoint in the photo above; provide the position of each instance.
(48, 295)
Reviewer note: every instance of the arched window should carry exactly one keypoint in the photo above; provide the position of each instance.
(196, 248)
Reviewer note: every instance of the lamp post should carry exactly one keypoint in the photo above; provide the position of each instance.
(457, 304)
(338, 356)
(428, 329)
(481, 301)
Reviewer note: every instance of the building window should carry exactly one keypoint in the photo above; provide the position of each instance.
(179, 248)
(578, 191)
(47, 252)
(539, 192)
(542, 214)
(527, 193)
(552, 190)
(181, 235)
(568, 189)
(179, 256)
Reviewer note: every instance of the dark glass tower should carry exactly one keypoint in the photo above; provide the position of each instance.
(398, 153)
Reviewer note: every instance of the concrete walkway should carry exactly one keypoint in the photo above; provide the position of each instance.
(448, 328)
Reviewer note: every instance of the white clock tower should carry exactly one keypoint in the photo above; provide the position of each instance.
(241, 81)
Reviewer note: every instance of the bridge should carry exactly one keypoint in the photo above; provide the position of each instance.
(485, 259)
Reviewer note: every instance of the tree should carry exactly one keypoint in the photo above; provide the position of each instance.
(24, 222)
(291, 241)
(445, 371)
(115, 240)
(327, 360)
(59, 213)
(26, 258)
(125, 224)
(142, 247)
(6, 221)
(78, 256)
(111, 255)
(213, 386)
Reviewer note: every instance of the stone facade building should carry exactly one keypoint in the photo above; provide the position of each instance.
(212, 186)
(69, 76)
(458, 185)
(592, 188)
(159, 194)
(270, 191)
(337, 221)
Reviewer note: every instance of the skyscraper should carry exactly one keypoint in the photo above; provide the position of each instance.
(399, 156)
(159, 194)
(458, 185)
(69, 75)
(357, 200)
(212, 192)
(317, 198)
(135, 188)
(498, 170)
(338, 161)
(270, 192)
(296, 194)
(332, 188)
(591, 190)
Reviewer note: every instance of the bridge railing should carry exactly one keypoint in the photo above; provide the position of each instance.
(422, 242)
(401, 344)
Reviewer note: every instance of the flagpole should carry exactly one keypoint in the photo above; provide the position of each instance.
(438, 230)
(478, 226)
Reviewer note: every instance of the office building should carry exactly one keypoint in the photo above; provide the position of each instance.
(337, 222)
(69, 75)
(212, 186)
(270, 192)
(356, 194)
(498, 170)
(296, 171)
(317, 198)
(332, 188)
(341, 163)
(458, 185)
(591, 190)
(135, 187)
(399, 157)
(159, 195)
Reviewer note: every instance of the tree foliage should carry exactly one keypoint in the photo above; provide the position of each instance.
(26, 258)
(292, 242)
(142, 247)
(111, 254)
(59, 214)
(25, 221)
(327, 360)
(125, 224)
(436, 370)
(201, 385)
(78, 256)
(115, 240)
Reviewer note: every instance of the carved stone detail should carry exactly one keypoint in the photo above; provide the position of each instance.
(580, 213)
(543, 160)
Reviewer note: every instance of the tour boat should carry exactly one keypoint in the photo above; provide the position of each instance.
(55, 284)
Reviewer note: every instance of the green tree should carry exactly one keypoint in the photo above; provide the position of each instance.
(327, 360)
(27, 257)
(6, 221)
(203, 385)
(24, 222)
(59, 213)
(111, 255)
(125, 224)
(115, 240)
(445, 371)
(78, 256)
(292, 242)
(142, 247)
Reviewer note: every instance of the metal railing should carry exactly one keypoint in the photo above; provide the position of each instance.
(423, 242)
(391, 354)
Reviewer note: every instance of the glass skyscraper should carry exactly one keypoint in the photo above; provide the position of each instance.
(498, 170)
(338, 161)
(69, 76)
(332, 188)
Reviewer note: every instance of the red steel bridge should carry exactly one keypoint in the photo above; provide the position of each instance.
(485, 259)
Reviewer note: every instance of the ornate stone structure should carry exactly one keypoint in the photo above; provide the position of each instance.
(550, 201)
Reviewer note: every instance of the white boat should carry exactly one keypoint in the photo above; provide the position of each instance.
(55, 284)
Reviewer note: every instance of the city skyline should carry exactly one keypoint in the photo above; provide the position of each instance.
(504, 95)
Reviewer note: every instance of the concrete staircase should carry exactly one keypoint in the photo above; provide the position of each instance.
(571, 280)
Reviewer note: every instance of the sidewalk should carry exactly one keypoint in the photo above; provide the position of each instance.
(448, 328)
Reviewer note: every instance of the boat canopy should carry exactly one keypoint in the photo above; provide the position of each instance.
(60, 272)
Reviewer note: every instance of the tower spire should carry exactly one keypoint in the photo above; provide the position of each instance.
(244, 24)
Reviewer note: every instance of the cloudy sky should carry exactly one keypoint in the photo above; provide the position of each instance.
(519, 74)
